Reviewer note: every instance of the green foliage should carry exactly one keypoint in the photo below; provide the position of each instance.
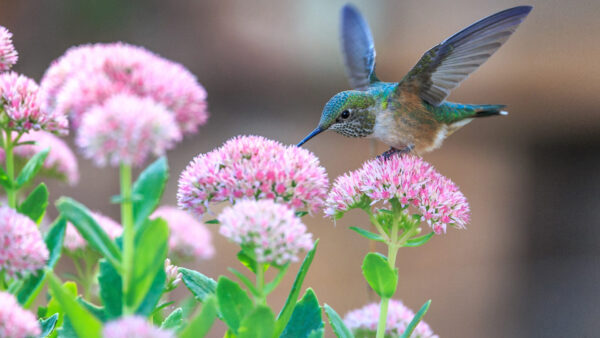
(260, 323)
(31, 168)
(337, 324)
(367, 234)
(148, 304)
(273, 284)
(203, 321)
(245, 280)
(173, 321)
(47, 325)
(234, 303)
(199, 285)
(306, 317)
(247, 260)
(111, 290)
(97, 311)
(416, 319)
(34, 206)
(380, 276)
(149, 186)
(5, 182)
(418, 241)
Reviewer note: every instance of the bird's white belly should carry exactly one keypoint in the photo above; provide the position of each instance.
(388, 131)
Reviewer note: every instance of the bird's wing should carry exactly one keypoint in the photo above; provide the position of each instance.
(358, 48)
(444, 66)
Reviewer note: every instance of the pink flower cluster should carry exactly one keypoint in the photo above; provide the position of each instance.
(188, 238)
(16, 322)
(8, 54)
(365, 320)
(253, 167)
(134, 327)
(414, 182)
(22, 248)
(173, 275)
(271, 229)
(126, 129)
(73, 240)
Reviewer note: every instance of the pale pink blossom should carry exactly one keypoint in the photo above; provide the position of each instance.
(126, 130)
(19, 97)
(16, 322)
(22, 248)
(253, 167)
(173, 275)
(73, 240)
(365, 320)
(8, 54)
(134, 327)
(272, 230)
(414, 183)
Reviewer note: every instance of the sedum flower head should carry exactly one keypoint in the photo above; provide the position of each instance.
(272, 230)
(19, 98)
(416, 185)
(22, 248)
(253, 167)
(16, 322)
(126, 129)
(73, 240)
(134, 327)
(188, 237)
(363, 322)
(8, 54)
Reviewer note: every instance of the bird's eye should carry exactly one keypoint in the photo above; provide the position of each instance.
(345, 114)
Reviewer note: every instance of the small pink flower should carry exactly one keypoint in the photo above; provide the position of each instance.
(134, 327)
(8, 54)
(73, 240)
(365, 320)
(173, 275)
(271, 229)
(188, 238)
(16, 322)
(256, 168)
(413, 182)
(22, 248)
(126, 129)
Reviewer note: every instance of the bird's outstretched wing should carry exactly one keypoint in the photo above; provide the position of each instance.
(444, 66)
(358, 48)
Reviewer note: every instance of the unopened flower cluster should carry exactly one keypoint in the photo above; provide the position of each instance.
(16, 322)
(271, 229)
(413, 182)
(363, 321)
(253, 167)
(8, 54)
(134, 326)
(73, 240)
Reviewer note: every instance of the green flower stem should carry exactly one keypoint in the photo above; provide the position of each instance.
(260, 284)
(3, 285)
(11, 193)
(128, 232)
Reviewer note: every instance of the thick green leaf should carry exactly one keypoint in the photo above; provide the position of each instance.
(212, 221)
(418, 241)
(89, 229)
(244, 280)
(318, 333)
(97, 311)
(33, 284)
(234, 303)
(367, 234)
(200, 285)
(380, 276)
(260, 323)
(173, 321)
(416, 319)
(305, 318)
(203, 321)
(111, 290)
(151, 245)
(301, 213)
(48, 325)
(34, 206)
(247, 261)
(84, 323)
(153, 295)
(337, 324)
(150, 185)
(290, 302)
(4, 180)
(31, 168)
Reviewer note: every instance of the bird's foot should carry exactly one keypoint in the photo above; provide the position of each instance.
(392, 151)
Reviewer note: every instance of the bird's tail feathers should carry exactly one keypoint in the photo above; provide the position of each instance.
(489, 110)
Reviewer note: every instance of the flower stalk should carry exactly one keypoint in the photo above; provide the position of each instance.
(128, 231)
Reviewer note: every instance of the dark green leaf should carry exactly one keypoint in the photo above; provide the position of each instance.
(234, 303)
(173, 321)
(89, 229)
(247, 261)
(212, 221)
(153, 296)
(111, 290)
(416, 319)
(31, 168)
(301, 213)
(260, 323)
(48, 325)
(4, 180)
(150, 184)
(337, 324)
(34, 206)
(97, 311)
(203, 321)
(367, 234)
(380, 276)
(273, 284)
(305, 318)
(417, 241)
(290, 303)
(200, 285)
(244, 280)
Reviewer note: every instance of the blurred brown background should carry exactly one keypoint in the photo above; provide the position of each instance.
(529, 263)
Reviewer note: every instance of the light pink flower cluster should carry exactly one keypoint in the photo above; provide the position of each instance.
(414, 182)
(73, 240)
(126, 129)
(88, 75)
(173, 275)
(19, 96)
(22, 248)
(365, 320)
(8, 54)
(134, 327)
(188, 238)
(271, 229)
(16, 322)
(256, 168)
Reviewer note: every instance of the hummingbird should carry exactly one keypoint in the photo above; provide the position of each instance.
(413, 114)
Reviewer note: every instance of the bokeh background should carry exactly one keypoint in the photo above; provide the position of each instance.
(529, 263)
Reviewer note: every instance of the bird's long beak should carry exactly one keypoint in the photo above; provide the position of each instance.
(314, 133)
